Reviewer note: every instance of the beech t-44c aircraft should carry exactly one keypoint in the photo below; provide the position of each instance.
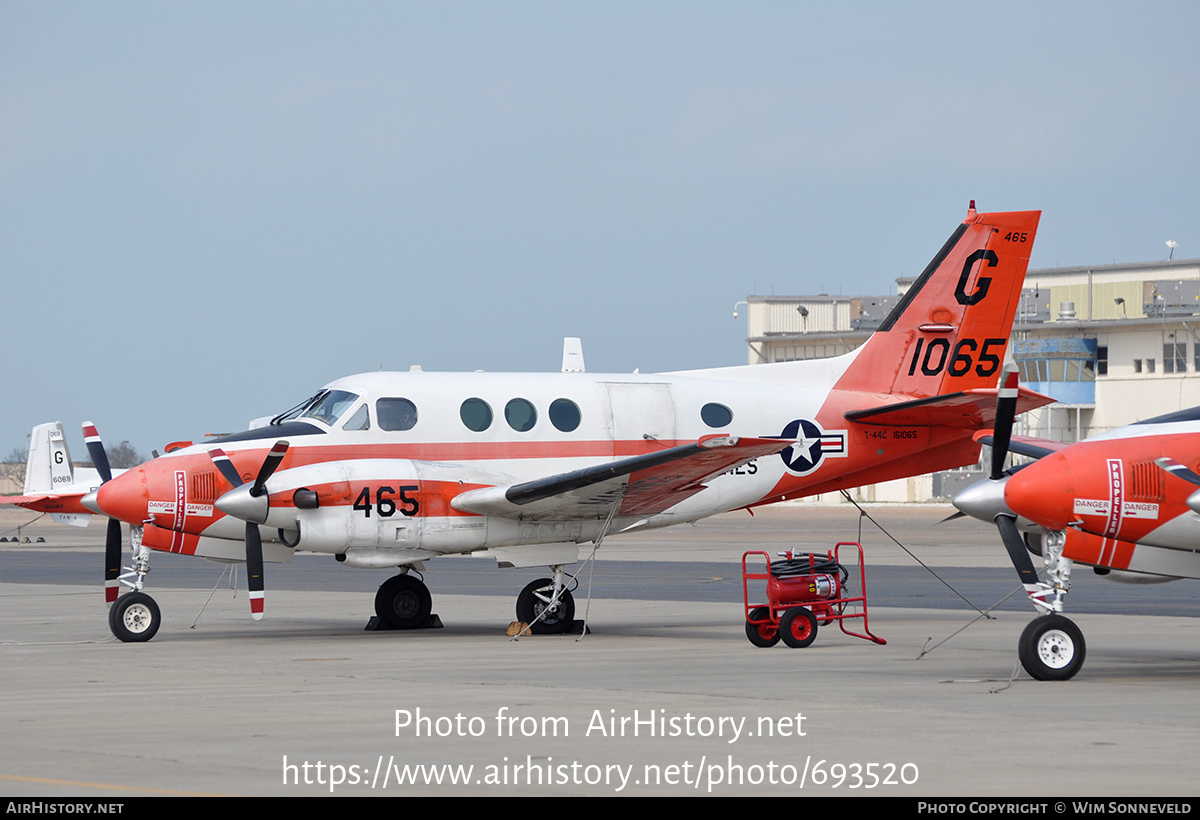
(387, 470)
(1124, 502)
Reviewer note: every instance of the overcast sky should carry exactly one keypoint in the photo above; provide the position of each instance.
(211, 209)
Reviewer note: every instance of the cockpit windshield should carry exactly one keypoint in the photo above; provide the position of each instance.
(326, 407)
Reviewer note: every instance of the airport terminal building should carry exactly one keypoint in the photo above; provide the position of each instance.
(1114, 344)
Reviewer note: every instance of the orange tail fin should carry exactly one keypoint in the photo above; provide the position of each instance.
(950, 330)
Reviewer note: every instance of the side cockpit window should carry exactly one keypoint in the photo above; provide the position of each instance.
(395, 414)
(327, 406)
(361, 420)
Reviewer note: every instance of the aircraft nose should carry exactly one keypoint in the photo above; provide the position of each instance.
(1043, 492)
(125, 497)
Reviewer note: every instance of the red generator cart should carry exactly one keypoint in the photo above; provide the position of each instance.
(804, 590)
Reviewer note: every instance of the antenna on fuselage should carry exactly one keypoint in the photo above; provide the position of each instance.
(573, 356)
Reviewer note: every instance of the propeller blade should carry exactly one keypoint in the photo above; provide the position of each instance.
(1006, 412)
(1015, 544)
(112, 538)
(254, 571)
(1175, 468)
(952, 516)
(95, 448)
(225, 466)
(112, 560)
(254, 552)
(270, 463)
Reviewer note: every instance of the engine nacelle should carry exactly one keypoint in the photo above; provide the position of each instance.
(1121, 576)
(372, 504)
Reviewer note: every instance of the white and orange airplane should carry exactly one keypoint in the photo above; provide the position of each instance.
(387, 470)
(1124, 502)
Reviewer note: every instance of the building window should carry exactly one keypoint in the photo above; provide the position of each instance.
(1175, 357)
(1149, 365)
(1137, 365)
(1102, 361)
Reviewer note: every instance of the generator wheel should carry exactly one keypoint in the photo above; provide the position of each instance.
(798, 627)
(765, 634)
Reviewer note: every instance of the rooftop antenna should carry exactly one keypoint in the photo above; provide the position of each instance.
(1172, 244)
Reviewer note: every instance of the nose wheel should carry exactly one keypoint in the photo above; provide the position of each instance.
(134, 617)
(1052, 648)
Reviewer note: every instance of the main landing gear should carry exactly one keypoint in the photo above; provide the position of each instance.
(547, 605)
(403, 602)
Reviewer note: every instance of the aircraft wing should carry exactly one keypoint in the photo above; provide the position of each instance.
(642, 485)
(966, 410)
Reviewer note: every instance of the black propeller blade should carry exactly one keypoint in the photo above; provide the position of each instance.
(254, 555)
(1015, 544)
(1006, 413)
(112, 539)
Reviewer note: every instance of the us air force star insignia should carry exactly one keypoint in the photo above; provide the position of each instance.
(812, 445)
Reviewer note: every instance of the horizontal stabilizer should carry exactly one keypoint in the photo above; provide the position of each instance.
(965, 410)
(643, 485)
(1025, 445)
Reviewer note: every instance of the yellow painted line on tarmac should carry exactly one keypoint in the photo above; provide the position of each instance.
(83, 785)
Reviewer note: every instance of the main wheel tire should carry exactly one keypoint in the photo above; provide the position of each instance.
(403, 602)
(533, 601)
(134, 617)
(798, 627)
(764, 635)
(1052, 648)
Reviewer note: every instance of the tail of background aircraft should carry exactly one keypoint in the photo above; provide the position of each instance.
(48, 468)
(50, 476)
(950, 331)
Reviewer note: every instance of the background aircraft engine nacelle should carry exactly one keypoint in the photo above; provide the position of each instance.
(378, 504)
(1132, 578)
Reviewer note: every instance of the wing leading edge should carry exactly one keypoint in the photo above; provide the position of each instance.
(642, 485)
